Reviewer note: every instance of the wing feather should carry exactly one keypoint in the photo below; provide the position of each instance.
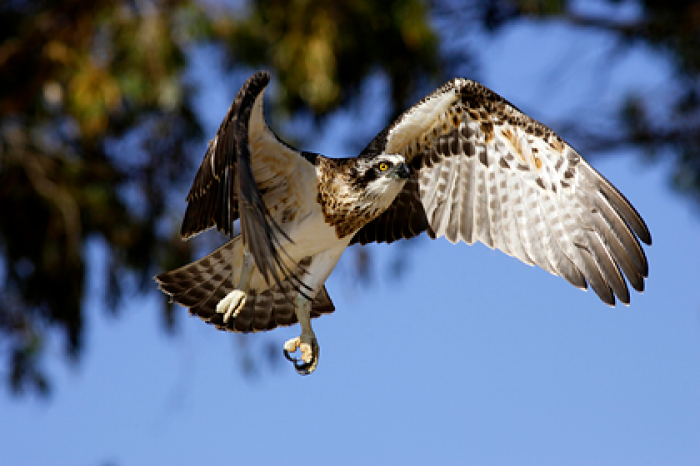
(243, 158)
(487, 172)
(443, 197)
(559, 240)
(592, 273)
(622, 244)
(496, 225)
(528, 215)
(620, 213)
(467, 228)
(430, 177)
(456, 196)
(508, 219)
(482, 218)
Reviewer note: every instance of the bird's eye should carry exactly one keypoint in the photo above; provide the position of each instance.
(383, 166)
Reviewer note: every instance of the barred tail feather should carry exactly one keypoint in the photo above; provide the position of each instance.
(200, 286)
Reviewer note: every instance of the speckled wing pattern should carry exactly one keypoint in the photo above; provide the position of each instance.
(484, 171)
(203, 283)
(228, 184)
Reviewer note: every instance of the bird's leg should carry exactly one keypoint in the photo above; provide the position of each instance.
(233, 302)
(306, 342)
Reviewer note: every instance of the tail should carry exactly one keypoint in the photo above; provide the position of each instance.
(200, 286)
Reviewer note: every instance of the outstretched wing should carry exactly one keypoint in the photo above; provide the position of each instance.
(484, 171)
(243, 159)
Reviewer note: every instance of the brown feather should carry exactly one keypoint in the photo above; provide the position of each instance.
(200, 286)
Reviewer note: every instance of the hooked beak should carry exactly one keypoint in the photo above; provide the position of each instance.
(402, 171)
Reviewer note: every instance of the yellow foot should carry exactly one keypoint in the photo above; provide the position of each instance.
(231, 305)
(310, 352)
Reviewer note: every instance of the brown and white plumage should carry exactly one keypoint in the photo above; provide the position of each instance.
(480, 170)
(298, 212)
(203, 283)
(484, 171)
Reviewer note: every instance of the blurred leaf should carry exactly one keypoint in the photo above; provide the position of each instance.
(97, 129)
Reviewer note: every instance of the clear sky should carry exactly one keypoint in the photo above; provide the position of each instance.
(469, 358)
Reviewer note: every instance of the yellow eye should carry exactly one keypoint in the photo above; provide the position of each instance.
(383, 167)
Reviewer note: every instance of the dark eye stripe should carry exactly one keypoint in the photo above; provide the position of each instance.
(370, 176)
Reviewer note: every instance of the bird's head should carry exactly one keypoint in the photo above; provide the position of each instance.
(382, 176)
(355, 191)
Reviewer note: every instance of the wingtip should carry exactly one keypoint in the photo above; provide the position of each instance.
(259, 80)
(641, 229)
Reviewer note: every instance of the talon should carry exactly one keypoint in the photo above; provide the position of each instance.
(310, 352)
(231, 305)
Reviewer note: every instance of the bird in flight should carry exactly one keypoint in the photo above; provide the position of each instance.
(463, 163)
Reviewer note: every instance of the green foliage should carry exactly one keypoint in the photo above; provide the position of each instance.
(97, 124)
(322, 51)
(97, 128)
(75, 76)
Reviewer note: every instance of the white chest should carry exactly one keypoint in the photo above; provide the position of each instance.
(311, 235)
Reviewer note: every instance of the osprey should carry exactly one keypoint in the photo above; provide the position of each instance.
(462, 163)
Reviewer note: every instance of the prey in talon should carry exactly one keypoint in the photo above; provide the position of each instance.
(463, 163)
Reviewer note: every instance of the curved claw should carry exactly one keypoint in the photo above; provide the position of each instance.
(302, 368)
(310, 353)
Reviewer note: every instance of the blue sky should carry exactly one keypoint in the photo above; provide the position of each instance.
(470, 358)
